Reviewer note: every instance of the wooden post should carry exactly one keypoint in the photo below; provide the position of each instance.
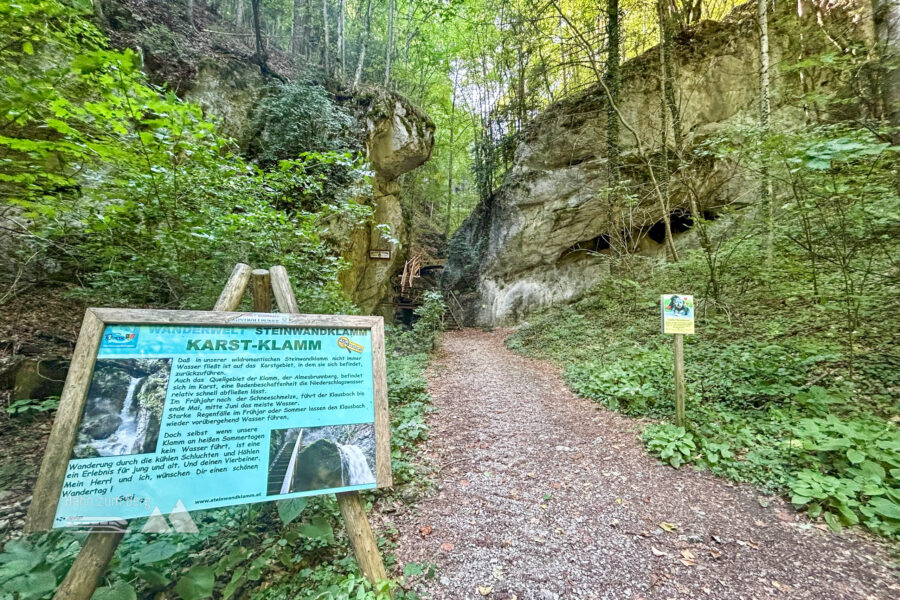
(89, 566)
(679, 379)
(230, 298)
(262, 291)
(99, 547)
(362, 540)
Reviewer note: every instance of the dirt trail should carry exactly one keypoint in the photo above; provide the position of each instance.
(544, 495)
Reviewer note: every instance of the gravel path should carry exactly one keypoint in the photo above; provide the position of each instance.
(545, 495)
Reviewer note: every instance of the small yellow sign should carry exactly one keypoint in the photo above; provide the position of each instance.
(344, 342)
(677, 312)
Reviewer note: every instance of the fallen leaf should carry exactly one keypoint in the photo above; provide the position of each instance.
(464, 482)
(530, 475)
(688, 554)
(556, 486)
(688, 563)
(763, 502)
(658, 552)
(506, 543)
(754, 545)
(781, 586)
(484, 590)
(424, 531)
(668, 526)
(614, 523)
(715, 552)
(446, 546)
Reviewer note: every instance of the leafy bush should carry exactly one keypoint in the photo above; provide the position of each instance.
(425, 333)
(672, 444)
(295, 118)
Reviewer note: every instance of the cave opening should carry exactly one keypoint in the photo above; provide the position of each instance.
(680, 220)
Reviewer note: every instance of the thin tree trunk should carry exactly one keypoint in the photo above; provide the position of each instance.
(390, 43)
(612, 77)
(190, 13)
(341, 53)
(325, 58)
(365, 42)
(450, 158)
(260, 57)
(887, 30)
(765, 191)
(239, 14)
(295, 28)
(664, 138)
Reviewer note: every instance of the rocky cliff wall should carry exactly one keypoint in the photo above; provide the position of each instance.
(543, 237)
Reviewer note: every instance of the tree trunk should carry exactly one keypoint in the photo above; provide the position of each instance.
(765, 191)
(613, 76)
(450, 158)
(295, 28)
(390, 43)
(663, 181)
(260, 57)
(365, 42)
(190, 13)
(340, 32)
(239, 14)
(887, 30)
(325, 58)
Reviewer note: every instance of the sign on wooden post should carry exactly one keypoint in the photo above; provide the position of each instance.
(677, 316)
(380, 254)
(179, 410)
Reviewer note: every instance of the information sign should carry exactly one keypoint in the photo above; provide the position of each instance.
(677, 313)
(198, 410)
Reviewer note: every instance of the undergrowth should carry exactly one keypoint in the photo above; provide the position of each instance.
(774, 395)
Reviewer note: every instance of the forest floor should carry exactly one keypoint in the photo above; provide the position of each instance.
(545, 495)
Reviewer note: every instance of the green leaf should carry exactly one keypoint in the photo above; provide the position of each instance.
(288, 510)
(885, 507)
(855, 456)
(197, 584)
(156, 552)
(412, 569)
(233, 585)
(154, 577)
(833, 522)
(119, 591)
(317, 528)
(27, 48)
(32, 585)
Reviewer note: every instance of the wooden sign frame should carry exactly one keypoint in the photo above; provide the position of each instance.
(62, 439)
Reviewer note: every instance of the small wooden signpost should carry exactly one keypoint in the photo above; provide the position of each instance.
(677, 317)
(114, 333)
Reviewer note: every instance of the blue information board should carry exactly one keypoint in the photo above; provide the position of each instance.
(197, 417)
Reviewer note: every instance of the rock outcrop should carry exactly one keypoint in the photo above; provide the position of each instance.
(544, 236)
(399, 137)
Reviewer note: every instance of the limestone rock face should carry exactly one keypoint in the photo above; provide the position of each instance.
(399, 138)
(544, 236)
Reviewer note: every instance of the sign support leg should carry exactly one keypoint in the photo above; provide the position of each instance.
(679, 379)
(93, 559)
(353, 510)
(89, 566)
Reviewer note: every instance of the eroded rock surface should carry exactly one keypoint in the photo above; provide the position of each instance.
(544, 236)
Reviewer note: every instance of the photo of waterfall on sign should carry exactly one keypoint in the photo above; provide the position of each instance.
(320, 458)
(124, 407)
